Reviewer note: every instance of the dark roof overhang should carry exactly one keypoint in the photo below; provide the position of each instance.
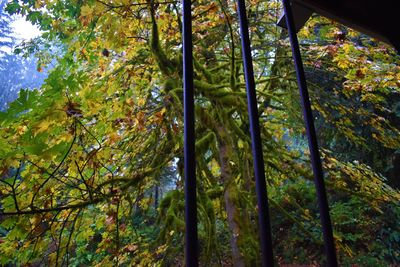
(378, 19)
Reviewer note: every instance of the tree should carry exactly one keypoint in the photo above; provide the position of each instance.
(365, 84)
(81, 152)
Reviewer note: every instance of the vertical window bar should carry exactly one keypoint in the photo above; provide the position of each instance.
(312, 140)
(259, 171)
(191, 240)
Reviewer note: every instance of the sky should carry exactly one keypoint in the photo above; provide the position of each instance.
(23, 29)
(24, 72)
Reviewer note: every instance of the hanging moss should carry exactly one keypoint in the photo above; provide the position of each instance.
(204, 116)
(207, 74)
(207, 218)
(166, 66)
(229, 100)
(203, 86)
(177, 97)
(244, 136)
(204, 143)
(170, 212)
(170, 84)
(202, 167)
(220, 93)
(216, 192)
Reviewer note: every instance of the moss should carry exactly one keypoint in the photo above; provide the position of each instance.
(177, 98)
(169, 84)
(204, 143)
(206, 74)
(239, 131)
(205, 118)
(229, 100)
(166, 66)
(215, 192)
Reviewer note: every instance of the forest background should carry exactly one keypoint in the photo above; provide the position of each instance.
(91, 161)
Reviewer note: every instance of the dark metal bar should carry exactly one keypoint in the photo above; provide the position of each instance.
(312, 140)
(259, 171)
(191, 239)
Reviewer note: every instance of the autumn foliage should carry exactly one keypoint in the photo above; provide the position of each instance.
(91, 163)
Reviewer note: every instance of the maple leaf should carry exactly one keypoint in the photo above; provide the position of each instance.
(42, 126)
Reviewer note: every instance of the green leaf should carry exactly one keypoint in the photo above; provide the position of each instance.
(13, 7)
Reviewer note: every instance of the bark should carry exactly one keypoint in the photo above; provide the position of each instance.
(230, 198)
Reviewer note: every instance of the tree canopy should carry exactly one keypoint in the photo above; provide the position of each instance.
(91, 163)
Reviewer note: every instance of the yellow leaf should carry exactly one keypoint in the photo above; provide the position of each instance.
(41, 127)
(64, 138)
(141, 101)
(86, 11)
(240, 143)
(21, 129)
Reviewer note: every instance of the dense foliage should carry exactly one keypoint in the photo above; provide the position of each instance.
(91, 163)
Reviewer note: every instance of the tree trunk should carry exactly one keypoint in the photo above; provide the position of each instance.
(230, 198)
